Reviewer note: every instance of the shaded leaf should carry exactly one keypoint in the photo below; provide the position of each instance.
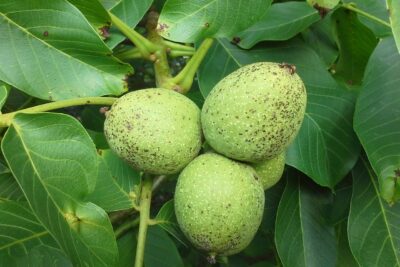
(127, 249)
(344, 256)
(272, 197)
(50, 51)
(394, 11)
(338, 210)
(130, 12)
(55, 164)
(44, 256)
(302, 236)
(9, 188)
(281, 22)
(125, 176)
(166, 219)
(356, 43)
(320, 38)
(20, 231)
(377, 9)
(326, 147)
(160, 249)
(373, 226)
(4, 89)
(191, 21)
(377, 115)
(324, 3)
(108, 194)
(94, 12)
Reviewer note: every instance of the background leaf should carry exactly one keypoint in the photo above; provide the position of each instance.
(160, 249)
(324, 3)
(127, 249)
(376, 8)
(326, 147)
(125, 176)
(320, 38)
(50, 51)
(281, 22)
(344, 258)
(394, 11)
(94, 12)
(44, 256)
(4, 89)
(373, 229)
(302, 236)
(356, 43)
(166, 219)
(108, 194)
(55, 164)
(191, 21)
(130, 12)
(377, 115)
(9, 188)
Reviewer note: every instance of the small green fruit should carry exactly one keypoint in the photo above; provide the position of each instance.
(270, 170)
(255, 112)
(157, 130)
(219, 204)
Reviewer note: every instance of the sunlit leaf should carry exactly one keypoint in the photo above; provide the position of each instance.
(49, 50)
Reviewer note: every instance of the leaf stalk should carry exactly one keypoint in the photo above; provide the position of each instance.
(5, 119)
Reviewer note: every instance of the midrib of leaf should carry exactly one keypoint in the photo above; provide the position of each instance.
(48, 193)
(50, 46)
(371, 176)
(19, 241)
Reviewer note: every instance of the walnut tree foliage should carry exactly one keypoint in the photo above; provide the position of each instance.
(66, 199)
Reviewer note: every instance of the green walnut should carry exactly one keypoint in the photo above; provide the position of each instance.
(255, 112)
(270, 170)
(157, 131)
(219, 204)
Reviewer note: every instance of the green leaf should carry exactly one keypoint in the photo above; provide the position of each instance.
(125, 176)
(377, 9)
(326, 147)
(166, 219)
(94, 12)
(108, 194)
(377, 115)
(281, 22)
(4, 89)
(324, 3)
(320, 38)
(55, 164)
(272, 197)
(344, 256)
(191, 21)
(394, 11)
(373, 226)
(19, 230)
(302, 236)
(160, 250)
(9, 188)
(127, 249)
(44, 256)
(356, 43)
(338, 210)
(50, 51)
(130, 12)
